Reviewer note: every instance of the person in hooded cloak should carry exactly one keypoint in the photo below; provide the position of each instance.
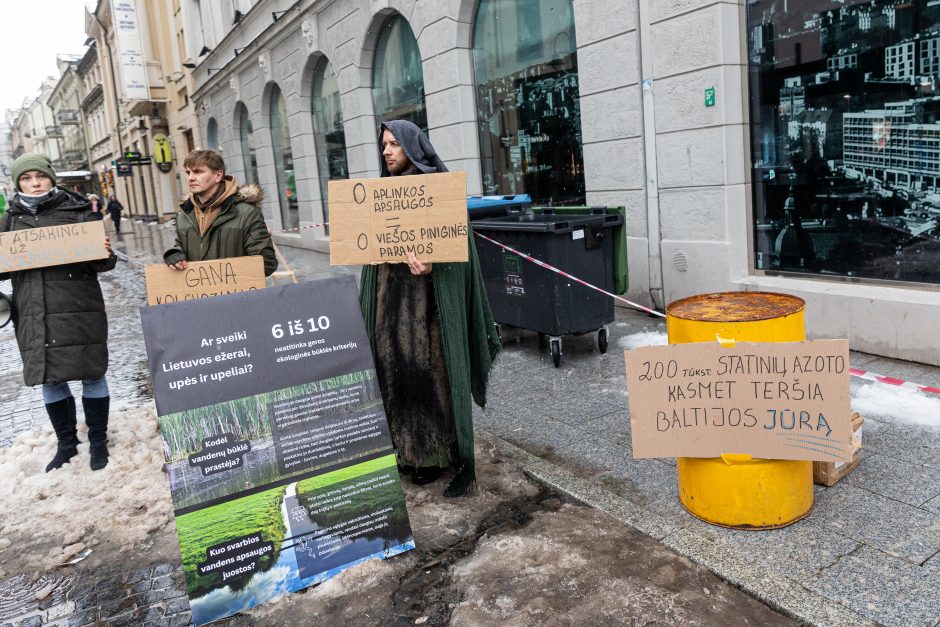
(432, 336)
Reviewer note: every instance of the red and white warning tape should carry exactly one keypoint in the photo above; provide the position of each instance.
(855, 372)
(306, 226)
(880, 378)
(542, 264)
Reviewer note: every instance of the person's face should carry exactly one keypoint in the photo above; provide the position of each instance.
(202, 181)
(395, 157)
(34, 182)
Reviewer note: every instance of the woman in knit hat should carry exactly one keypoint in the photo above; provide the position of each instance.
(59, 316)
(96, 212)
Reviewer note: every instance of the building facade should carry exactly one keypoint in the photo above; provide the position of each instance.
(726, 130)
(34, 128)
(96, 122)
(69, 132)
(144, 100)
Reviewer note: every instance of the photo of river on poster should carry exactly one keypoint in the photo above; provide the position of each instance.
(284, 433)
(316, 534)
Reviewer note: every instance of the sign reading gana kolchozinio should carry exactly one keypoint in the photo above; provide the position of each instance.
(787, 400)
(202, 279)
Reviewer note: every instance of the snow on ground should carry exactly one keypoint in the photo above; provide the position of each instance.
(74, 507)
(897, 404)
(643, 338)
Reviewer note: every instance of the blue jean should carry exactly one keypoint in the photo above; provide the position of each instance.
(91, 388)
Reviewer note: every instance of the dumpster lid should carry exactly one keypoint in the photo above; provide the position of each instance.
(548, 222)
(735, 306)
(474, 202)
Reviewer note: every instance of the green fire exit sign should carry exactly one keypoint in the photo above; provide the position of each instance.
(709, 96)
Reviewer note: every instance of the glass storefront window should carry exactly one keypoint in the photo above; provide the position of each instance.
(247, 138)
(845, 138)
(328, 133)
(283, 161)
(212, 134)
(397, 77)
(525, 64)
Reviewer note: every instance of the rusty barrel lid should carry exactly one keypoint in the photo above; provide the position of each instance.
(735, 307)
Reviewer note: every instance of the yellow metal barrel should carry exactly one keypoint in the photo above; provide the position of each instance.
(738, 490)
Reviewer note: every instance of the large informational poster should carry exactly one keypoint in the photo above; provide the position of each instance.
(278, 452)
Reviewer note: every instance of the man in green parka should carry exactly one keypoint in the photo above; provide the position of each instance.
(432, 336)
(219, 219)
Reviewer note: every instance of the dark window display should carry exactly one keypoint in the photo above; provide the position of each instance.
(397, 76)
(526, 70)
(329, 136)
(283, 161)
(212, 134)
(845, 136)
(247, 137)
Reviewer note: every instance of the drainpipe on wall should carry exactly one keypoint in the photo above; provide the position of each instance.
(117, 102)
(653, 231)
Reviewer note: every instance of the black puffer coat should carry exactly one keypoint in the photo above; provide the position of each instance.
(58, 311)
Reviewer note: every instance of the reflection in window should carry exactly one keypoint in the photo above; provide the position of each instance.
(526, 68)
(328, 131)
(247, 138)
(283, 161)
(845, 136)
(212, 134)
(397, 77)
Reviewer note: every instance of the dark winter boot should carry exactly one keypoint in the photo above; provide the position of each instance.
(96, 417)
(463, 483)
(425, 475)
(62, 415)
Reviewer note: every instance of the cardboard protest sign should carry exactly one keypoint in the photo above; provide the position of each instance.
(787, 400)
(52, 246)
(202, 279)
(278, 452)
(382, 220)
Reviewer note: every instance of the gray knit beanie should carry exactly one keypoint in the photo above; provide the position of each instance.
(29, 162)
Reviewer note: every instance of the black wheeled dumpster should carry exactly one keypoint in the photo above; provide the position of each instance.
(527, 296)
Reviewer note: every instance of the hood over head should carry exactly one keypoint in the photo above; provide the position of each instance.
(416, 145)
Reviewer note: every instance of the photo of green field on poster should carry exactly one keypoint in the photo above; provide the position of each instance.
(276, 443)
(290, 537)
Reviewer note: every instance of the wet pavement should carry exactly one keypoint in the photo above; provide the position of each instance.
(869, 552)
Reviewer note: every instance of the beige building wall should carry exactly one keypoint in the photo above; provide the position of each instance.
(165, 110)
(95, 120)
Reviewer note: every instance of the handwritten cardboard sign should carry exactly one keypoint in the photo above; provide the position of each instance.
(52, 246)
(382, 220)
(202, 279)
(786, 400)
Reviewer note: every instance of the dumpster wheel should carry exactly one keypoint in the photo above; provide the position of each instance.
(602, 340)
(555, 345)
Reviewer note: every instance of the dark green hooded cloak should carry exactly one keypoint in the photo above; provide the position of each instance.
(470, 341)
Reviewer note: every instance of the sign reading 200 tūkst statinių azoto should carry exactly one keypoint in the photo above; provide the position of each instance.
(278, 453)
